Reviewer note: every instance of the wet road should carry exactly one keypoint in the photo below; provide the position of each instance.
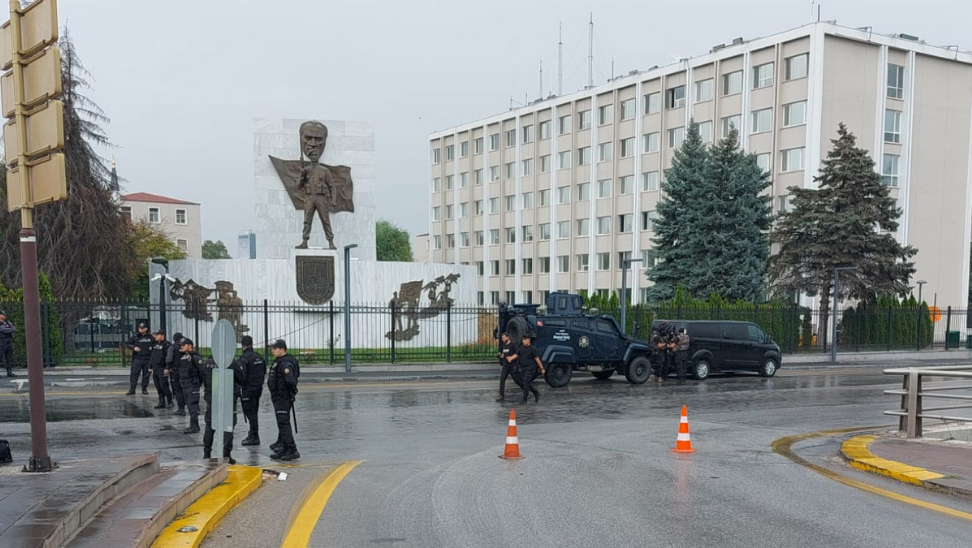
(598, 470)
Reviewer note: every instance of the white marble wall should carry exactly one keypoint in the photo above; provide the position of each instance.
(278, 224)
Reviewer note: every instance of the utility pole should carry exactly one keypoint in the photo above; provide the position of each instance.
(35, 173)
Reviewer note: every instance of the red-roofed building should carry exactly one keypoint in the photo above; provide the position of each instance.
(180, 219)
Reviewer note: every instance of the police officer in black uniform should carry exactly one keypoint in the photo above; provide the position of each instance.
(173, 361)
(680, 348)
(7, 331)
(506, 352)
(141, 346)
(254, 369)
(160, 352)
(528, 361)
(211, 368)
(191, 379)
(282, 383)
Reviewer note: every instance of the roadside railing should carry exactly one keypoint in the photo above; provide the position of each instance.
(937, 383)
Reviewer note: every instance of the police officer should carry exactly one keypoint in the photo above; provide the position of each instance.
(507, 363)
(681, 348)
(191, 378)
(160, 352)
(254, 369)
(7, 331)
(141, 346)
(528, 361)
(210, 368)
(657, 345)
(282, 383)
(173, 360)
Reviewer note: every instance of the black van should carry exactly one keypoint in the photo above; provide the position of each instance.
(716, 346)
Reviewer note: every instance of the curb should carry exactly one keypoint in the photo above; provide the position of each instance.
(209, 510)
(855, 451)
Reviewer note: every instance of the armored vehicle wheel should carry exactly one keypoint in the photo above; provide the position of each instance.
(516, 328)
(558, 374)
(603, 375)
(638, 370)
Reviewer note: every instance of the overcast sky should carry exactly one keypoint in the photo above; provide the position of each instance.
(182, 81)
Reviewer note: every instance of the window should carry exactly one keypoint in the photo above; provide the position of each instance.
(583, 192)
(464, 179)
(448, 211)
(494, 205)
(730, 123)
(494, 141)
(450, 241)
(511, 203)
(479, 177)
(436, 213)
(494, 236)
(450, 182)
(563, 124)
(544, 266)
(527, 233)
(652, 142)
(527, 200)
(604, 261)
(463, 210)
(626, 184)
(181, 217)
(604, 188)
(563, 195)
(563, 160)
(627, 109)
(527, 134)
(510, 297)
(762, 121)
(583, 227)
(623, 257)
(494, 173)
(603, 226)
(510, 267)
(478, 145)
(784, 204)
(510, 138)
(625, 223)
(648, 220)
(584, 156)
(764, 161)
(544, 197)
(528, 167)
(545, 164)
(463, 239)
(732, 83)
(154, 216)
(563, 263)
(479, 267)
(126, 212)
(563, 229)
(792, 159)
(544, 231)
(704, 90)
(797, 66)
(649, 258)
(585, 120)
(545, 130)
(480, 296)
(527, 266)
(675, 137)
(583, 262)
(494, 297)
(605, 114)
(450, 152)
(675, 97)
(510, 170)
(480, 240)
(653, 103)
(436, 242)
(763, 76)
(605, 152)
(464, 149)
(795, 114)
(649, 181)
(183, 246)
(889, 169)
(892, 126)
(436, 184)
(896, 81)
(705, 130)
(627, 147)
(436, 155)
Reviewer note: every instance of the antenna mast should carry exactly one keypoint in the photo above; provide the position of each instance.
(590, 54)
(560, 62)
(541, 77)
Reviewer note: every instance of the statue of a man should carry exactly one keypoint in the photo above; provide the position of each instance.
(315, 182)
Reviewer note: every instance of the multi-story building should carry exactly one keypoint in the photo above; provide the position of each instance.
(179, 219)
(555, 195)
(246, 245)
(420, 248)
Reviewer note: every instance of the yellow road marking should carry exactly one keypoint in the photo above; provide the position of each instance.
(784, 447)
(300, 530)
(860, 457)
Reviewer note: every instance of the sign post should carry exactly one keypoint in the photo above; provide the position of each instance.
(224, 352)
(35, 175)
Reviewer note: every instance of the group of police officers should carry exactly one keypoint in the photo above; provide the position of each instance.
(522, 363)
(179, 373)
(669, 350)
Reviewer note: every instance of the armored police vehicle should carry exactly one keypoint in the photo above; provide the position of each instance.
(571, 338)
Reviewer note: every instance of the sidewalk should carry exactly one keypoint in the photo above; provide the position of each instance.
(936, 465)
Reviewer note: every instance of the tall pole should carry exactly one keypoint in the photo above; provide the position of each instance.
(560, 62)
(347, 306)
(833, 328)
(624, 291)
(590, 54)
(921, 285)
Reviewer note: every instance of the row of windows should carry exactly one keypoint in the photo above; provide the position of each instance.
(155, 215)
(526, 297)
(582, 263)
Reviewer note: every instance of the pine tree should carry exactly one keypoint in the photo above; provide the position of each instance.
(850, 219)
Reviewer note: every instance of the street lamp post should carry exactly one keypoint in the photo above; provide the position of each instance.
(624, 290)
(347, 306)
(920, 283)
(164, 263)
(833, 344)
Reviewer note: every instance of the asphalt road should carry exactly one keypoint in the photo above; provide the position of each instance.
(598, 469)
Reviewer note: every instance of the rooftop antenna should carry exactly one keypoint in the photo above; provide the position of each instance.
(590, 53)
(612, 68)
(560, 61)
(541, 77)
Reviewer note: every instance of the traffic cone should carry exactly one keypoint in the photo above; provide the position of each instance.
(512, 451)
(684, 441)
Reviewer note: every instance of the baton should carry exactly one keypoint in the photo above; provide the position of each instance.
(294, 413)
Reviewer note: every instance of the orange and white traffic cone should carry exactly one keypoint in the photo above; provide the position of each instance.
(684, 442)
(512, 451)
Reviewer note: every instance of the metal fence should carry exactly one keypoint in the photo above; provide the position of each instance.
(949, 383)
(76, 333)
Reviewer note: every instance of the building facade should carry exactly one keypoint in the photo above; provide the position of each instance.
(179, 219)
(246, 245)
(554, 196)
(420, 248)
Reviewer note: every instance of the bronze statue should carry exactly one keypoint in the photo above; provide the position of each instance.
(314, 187)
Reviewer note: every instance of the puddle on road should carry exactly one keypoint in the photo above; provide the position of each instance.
(73, 410)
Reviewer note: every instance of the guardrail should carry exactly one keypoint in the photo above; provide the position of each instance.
(918, 384)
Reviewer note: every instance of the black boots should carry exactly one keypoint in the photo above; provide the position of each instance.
(160, 405)
(169, 404)
(193, 427)
(286, 454)
(251, 440)
(145, 391)
(10, 373)
(131, 391)
(180, 413)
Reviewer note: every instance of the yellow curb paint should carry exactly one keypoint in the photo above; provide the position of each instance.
(784, 447)
(209, 510)
(300, 530)
(856, 451)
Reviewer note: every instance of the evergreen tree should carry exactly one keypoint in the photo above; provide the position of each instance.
(850, 219)
(676, 247)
